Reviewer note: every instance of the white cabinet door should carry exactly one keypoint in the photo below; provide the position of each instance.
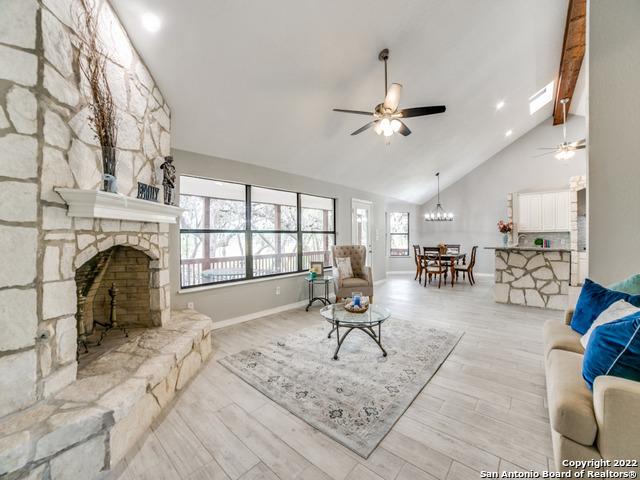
(535, 212)
(562, 212)
(529, 212)
(549, 208)
(524, 212)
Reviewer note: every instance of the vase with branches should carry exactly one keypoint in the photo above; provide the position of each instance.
(103, 119)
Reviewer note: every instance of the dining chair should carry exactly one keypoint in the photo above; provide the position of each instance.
(468, 268)
(430, 252)
(419, 262)
(435, 266)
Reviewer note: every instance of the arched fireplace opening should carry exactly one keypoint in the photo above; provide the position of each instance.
(114, 300)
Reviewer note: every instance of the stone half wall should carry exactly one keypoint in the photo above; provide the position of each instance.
(46, 142)
(531, 278)
(87, 428)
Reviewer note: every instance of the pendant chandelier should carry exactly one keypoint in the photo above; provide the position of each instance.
(438, 215)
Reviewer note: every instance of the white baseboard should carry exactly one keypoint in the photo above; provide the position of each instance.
(401, 272)
(262, 313)
(483, 274)
(378, 282)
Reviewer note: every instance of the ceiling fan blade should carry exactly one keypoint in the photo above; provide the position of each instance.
(404, 130)
(578, 147)
(420, 111)
(358, 112)
(547, 148)
(579, 143)
(392, 100)
(365, 127)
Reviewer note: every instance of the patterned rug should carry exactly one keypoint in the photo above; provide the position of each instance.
(358, 398)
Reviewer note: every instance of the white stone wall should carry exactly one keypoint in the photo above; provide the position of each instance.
(46, 142)
(532, 278)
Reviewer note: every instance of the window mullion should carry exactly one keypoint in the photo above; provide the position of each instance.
(299, 232)
(248, 236)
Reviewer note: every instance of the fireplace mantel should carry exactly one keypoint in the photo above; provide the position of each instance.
(98, 204)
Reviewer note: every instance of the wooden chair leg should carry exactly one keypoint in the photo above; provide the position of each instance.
(371, 299)
(472, 277)
(440, 280)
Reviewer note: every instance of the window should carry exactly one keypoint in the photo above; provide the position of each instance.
(231, 232)
(398, 234)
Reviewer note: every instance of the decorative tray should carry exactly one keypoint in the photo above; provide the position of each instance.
(350, 307)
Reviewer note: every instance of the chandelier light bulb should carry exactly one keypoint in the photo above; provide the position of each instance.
(395, 124)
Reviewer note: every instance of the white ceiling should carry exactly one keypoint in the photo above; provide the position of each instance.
(255, 81)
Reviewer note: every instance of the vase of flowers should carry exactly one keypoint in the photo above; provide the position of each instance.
(505, 228)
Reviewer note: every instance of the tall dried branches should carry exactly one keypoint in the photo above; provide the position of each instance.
(93, 66)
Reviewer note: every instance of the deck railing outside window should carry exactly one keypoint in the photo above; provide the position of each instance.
(231, 232)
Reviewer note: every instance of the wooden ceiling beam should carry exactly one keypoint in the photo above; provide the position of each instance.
(573, 50)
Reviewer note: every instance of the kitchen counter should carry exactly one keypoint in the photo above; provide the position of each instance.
(529, 249)
(532, 276)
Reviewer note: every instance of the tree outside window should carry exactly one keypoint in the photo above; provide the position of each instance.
(398, 234)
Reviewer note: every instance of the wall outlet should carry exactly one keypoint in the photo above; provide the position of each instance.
(190, 306)
(278, 290)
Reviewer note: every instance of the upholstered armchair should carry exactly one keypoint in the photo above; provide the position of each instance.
(362, 280)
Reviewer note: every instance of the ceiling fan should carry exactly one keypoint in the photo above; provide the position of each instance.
(387, 116)
(565, 150)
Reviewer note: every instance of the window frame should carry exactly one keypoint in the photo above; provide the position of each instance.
(391, 234)
(248, 232)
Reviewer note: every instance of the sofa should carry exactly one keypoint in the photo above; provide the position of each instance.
(585, 424)
(362, 280)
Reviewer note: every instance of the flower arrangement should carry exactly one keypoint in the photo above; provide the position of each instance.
(505, 227)
(443, 248)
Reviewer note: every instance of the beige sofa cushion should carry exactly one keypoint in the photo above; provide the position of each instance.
(560, 336)
(354, 282)
(570, 400)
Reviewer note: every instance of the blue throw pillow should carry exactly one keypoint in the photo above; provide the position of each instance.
(595, 299)
(614, 349)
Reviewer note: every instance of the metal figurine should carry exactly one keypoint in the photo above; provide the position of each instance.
(168, 180)
(113, 324)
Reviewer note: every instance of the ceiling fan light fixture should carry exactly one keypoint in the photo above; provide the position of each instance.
(395, 124)
(565, 154)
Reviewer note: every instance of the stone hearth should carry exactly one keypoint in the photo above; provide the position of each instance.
(88, 426)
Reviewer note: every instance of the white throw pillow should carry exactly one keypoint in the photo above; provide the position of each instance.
(616, 311)
(344, 267)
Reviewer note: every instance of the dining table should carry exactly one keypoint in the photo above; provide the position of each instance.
(452, 258)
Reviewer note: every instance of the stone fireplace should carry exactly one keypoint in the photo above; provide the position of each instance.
(57, 420)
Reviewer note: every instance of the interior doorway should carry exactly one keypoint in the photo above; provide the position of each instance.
(362, 226)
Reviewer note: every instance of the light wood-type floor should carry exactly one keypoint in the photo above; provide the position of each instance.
(485, 409)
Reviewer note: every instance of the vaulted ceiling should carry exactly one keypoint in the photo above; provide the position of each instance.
(255, 81)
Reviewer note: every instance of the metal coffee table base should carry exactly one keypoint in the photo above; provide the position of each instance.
(366, 329)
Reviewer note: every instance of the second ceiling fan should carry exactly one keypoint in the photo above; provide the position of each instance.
(387, 114)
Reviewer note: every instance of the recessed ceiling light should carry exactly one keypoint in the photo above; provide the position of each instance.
(151, 22)
(508, 133)
(500, 105)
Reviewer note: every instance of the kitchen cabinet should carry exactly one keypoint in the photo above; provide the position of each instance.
(543, 211)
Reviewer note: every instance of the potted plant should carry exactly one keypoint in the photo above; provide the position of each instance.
(505, 228)
(103, 119)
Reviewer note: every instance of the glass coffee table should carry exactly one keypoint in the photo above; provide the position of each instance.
(366, 322)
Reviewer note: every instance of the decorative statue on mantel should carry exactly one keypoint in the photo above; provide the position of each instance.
(168, 180)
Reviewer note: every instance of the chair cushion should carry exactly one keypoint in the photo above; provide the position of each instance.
(570, 400)
(614, 349)
(629, 285)
(595, 299)
(354, 282)
(557, 335)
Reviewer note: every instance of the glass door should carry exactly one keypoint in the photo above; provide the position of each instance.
(361, 224)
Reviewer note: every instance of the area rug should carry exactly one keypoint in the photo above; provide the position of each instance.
(358, 398)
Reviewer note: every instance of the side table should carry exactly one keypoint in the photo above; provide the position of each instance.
(311, 282)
